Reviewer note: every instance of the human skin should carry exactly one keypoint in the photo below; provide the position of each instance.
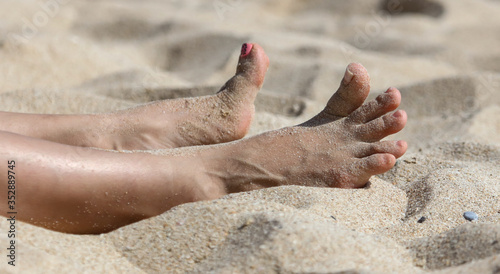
(83, 190)
(222, 117)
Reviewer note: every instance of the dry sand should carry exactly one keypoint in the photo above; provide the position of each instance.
(97, 56)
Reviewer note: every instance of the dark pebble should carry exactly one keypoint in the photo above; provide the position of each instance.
(470, 216)
(421, 220)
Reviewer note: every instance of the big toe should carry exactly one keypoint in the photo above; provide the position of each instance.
(253, 64)
(352, 92)
(250, 73)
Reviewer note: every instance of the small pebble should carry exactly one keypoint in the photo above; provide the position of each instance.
(421, 220)
(470, 216)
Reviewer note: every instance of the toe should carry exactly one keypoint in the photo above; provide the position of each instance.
(362, 169)
(249, 77)
(253, 64)
(396, 148)
(381, 127)
(373, 165)
(352, 92)
(384, 103)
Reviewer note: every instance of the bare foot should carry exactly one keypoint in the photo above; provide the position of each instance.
(340, 147)
(223, 117)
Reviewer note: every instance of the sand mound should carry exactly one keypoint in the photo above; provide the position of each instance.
(457, 246)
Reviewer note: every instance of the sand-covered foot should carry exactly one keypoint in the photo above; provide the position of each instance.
(340, 147)
(222, 117)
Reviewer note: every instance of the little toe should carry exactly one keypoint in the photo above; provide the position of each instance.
(396, 148)
(384, 103)
(382, 127)
(362, 169)
(352, 92)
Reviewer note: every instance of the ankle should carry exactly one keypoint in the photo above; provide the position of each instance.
(240, 166)
(133, 130)
(174, 181)
(77, 130)
(96, 130)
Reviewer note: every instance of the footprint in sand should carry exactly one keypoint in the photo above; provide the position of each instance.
(423, 7)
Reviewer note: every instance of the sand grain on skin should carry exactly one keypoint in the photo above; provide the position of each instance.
(101, 56)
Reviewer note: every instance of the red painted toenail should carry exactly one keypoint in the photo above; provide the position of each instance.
(246, 49)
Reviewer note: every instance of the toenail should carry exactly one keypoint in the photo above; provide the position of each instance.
(246, 49)
(348, 76)
(398, 114)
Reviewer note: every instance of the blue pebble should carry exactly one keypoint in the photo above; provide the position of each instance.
(470, 216)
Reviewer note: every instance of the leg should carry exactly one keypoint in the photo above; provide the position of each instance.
(82, 190)
(220, 118)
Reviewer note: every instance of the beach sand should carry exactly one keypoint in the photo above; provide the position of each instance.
(72, 56)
